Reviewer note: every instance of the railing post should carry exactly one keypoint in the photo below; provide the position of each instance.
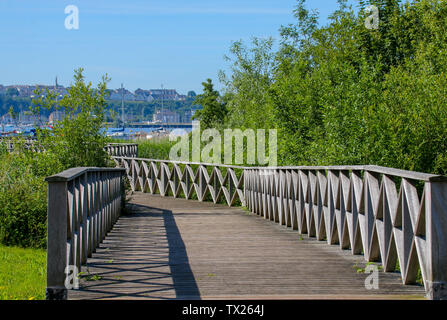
(436, 235)
(202, 183)
(56, 241)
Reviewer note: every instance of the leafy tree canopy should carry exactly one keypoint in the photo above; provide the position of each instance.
(213, 110)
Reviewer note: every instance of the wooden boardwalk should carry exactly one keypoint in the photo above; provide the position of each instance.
(169, 248)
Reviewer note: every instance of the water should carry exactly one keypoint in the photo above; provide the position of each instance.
(126, 134)
(137, 130)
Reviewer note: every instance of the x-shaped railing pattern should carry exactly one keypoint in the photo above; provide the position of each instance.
(185, 179)
(395, 217)
(370, 210)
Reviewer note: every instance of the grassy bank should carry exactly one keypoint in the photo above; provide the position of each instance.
(22, 273)
(156, 148)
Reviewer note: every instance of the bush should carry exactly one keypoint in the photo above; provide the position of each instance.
(79, 139)
(23, 199)
(76, 141)
(342, 94)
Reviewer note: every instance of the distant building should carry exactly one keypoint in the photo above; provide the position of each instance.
(118, 95)
(43, 118)
(28, 117)
(165, 94)
(27, 91)
(56, 116)
(6, 118)
(187, 117)
(166, 116)
(159, 94)
(144, 97)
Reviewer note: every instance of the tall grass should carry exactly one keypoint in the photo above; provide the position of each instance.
(155, 148)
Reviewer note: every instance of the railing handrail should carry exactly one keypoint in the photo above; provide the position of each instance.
(121, 144)
(122, 149)
(415, 175)
(73, 173)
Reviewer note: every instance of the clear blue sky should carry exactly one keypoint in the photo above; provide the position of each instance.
(142, 43)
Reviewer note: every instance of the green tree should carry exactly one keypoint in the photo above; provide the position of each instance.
(79, 139)
(213, 110)
(246, 87)
(14, 115)
(345, 94)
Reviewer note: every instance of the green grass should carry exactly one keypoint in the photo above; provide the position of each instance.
(155, 148)
(22, 273)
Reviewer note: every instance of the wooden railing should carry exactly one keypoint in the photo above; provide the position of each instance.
(27, 143)
(83, 205)
(122, 149)
(185, 179)
(395, 217)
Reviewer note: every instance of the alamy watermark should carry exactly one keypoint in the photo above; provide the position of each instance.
(372, 281)
(213, 151)
(372, 21)
(72, 20)
(72, 277)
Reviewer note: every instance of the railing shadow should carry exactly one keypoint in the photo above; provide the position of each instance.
(145, 261)
(183, 279)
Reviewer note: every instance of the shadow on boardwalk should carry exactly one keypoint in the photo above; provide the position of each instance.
(180, 249)
(144, 256)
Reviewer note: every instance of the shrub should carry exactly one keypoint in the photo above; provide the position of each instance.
(23, 201)
(76, 141)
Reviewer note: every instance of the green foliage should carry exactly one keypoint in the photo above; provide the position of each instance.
(345, 94)
(23, 196)
(22, 273)
(213, 110)
(246, 89)
(79, 139)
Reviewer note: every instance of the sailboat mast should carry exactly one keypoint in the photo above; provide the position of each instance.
(122, 104)
(162, 109)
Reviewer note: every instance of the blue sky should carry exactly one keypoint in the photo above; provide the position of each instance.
(141, 43)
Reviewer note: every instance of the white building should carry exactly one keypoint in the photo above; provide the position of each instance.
(166, 116)
(56, 116)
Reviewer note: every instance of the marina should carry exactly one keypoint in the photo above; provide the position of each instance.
(132, 131)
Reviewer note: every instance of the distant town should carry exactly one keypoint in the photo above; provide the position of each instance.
(149, 106)
(27, 91)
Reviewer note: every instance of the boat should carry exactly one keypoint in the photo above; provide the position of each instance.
(7, 133)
